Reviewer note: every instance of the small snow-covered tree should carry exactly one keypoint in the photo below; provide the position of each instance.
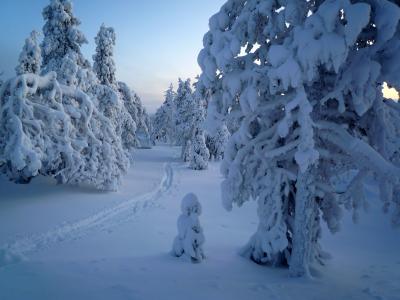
(198, 152)
(30, 59)
(307, 101)
(218, 142)
(190, 239)
(104, 65)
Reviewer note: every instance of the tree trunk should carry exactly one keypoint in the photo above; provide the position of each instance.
(305, 215)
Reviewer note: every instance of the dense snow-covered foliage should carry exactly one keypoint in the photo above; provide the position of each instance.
(61, 44)
(217, 142)
(111, 105)
(301, 82)
(164, 122)
(30, 59)
(104, 65)
(55, 130)
(190, 239)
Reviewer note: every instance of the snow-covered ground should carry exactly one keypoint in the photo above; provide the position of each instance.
(81, 244)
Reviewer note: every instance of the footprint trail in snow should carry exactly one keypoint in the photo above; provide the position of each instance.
(103, 220)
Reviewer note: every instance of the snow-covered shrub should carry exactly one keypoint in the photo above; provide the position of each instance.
(198, 153)
(104, 65)
(55, 130)
(30, 59)
(190, 239)
(302, 82)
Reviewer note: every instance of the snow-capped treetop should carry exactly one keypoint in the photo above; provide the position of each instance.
(190, 205)
(61, 35)
(30, 59)
(104, 65)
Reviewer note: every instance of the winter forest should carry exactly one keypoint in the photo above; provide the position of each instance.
(269, 168)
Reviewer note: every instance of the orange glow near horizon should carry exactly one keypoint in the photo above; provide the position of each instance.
(390, 93)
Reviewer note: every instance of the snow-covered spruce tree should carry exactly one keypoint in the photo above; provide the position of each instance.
(30, 59)
(311, 108)
(163, 123)
(104, 65)
(219, 142)
(169, 109)
(159, 132)
(143, 125)
(184, 117)
(198, 153)
(134, 106)
(190, 239)
(61, 45)
(111, 97)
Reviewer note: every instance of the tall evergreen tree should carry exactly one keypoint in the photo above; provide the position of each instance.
(104, 65)
(61, 45)
(308, 104)
(163, 123)
(184, 115)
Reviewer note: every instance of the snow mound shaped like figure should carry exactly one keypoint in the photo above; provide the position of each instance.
(190, 237)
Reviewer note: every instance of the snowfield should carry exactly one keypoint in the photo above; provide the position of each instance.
(60, 242)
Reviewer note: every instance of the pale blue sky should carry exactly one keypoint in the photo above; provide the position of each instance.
(157, 40)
